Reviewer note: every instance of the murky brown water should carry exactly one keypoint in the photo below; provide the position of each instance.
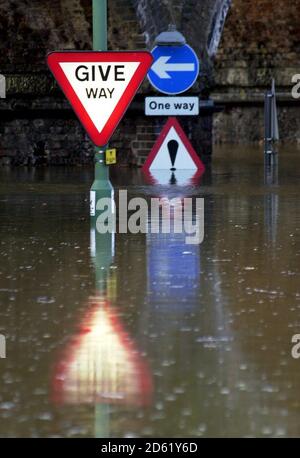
(163, 339)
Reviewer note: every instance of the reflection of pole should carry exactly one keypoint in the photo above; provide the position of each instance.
(102, 246)
(101, 186)
(271, 200)
(271, 170)
(102, 421)
(271, 208)
(102, 252)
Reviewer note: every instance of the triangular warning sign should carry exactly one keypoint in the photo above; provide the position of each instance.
(173, 151)
(99, 86)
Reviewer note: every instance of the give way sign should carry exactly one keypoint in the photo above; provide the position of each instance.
(99, 86)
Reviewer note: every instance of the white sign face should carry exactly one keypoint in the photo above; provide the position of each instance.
(173, 154)
(171, 106)
(87, 81)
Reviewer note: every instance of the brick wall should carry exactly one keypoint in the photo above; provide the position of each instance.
(35, 112)
(261, 40)
(35, 115)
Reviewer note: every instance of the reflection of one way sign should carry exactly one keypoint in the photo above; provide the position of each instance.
(99, 86)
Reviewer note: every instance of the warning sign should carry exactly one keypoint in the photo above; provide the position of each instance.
(173, 151)
(99, 86)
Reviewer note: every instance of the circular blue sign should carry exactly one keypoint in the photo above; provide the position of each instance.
(174, 70)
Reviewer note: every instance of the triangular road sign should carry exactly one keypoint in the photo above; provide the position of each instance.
(99, 86)
(173, 151)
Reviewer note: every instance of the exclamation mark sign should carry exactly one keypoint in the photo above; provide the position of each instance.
(173, 148)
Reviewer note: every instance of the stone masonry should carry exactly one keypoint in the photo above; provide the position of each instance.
(257, 43)
(35, 117)
(261, 40)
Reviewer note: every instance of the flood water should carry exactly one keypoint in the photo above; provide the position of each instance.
(148, 336)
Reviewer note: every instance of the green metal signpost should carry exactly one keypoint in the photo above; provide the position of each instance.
(102, 186)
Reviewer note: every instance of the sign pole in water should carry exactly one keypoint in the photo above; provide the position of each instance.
(102, 186)
(99, 86)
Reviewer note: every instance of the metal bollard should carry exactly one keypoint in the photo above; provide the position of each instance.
(271, 121)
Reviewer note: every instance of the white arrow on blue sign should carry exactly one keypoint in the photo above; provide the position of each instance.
(175, 69)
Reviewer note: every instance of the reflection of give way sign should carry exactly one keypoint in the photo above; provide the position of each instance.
(99, 86)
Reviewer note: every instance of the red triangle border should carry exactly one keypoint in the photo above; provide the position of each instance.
(55, 58)
(173, 122)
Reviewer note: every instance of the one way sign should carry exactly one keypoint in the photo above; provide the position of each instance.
(174, 70)
(99, 86)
